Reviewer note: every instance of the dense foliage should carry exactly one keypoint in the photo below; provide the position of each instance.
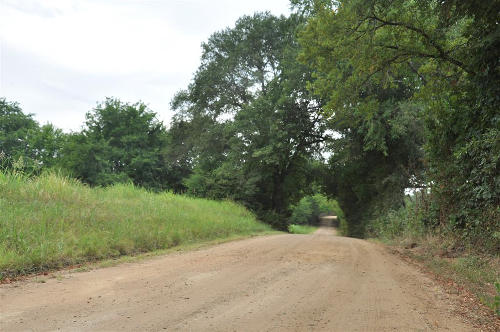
(24, 144)
(121, 142)
(254, 126)
(397, 74)
(399, 96)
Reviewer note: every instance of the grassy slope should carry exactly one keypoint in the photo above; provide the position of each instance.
(52, 221)
(477, 273)
(467, 268)
(443, 252)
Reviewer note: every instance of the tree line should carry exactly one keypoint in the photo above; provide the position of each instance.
(360, 100)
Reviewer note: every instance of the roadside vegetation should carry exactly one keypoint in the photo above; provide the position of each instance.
(52, 221)
(443, 251)
(301, 229)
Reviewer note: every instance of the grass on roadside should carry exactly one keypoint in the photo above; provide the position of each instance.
(478, 273)
(109, 262)
(301, 229)
(445, 252)
(52, 221)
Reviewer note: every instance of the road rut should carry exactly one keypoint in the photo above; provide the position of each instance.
(272, 283)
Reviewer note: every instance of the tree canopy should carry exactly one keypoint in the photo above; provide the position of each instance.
(255, 122)
(436, 63)
(120, 142)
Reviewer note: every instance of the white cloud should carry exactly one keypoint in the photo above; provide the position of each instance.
(59, 57)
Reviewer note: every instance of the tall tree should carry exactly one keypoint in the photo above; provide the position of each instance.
(256, 121)
(452, 49)
(378, 150)
(121, 142)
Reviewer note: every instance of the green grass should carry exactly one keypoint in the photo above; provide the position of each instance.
(52, 221)
(301, 229)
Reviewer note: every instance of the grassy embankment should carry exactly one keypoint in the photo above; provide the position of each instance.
(443, 252)
(51, 221)
(478, 273)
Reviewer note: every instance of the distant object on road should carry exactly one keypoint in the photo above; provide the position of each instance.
(329, 221)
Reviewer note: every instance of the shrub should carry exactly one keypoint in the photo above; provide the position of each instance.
(411, 220)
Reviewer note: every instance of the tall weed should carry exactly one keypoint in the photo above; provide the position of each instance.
(51, 221)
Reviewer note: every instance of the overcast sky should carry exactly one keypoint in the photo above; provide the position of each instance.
(59, 57)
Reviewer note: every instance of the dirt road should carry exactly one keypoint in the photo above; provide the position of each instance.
(281, 282)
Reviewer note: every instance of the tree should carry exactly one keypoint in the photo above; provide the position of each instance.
(47, 143)
(88, 160)
(16, 129)
(23, 143)
(178, 155)
(256, 121)
(378, 150)
(447, 53)
(121, 142)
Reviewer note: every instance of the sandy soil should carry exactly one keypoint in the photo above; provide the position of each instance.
(280, 282)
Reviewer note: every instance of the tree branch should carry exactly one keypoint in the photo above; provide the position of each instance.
(442, 54)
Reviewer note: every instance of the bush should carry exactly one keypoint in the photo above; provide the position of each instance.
(422, 214)
(407, 221)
